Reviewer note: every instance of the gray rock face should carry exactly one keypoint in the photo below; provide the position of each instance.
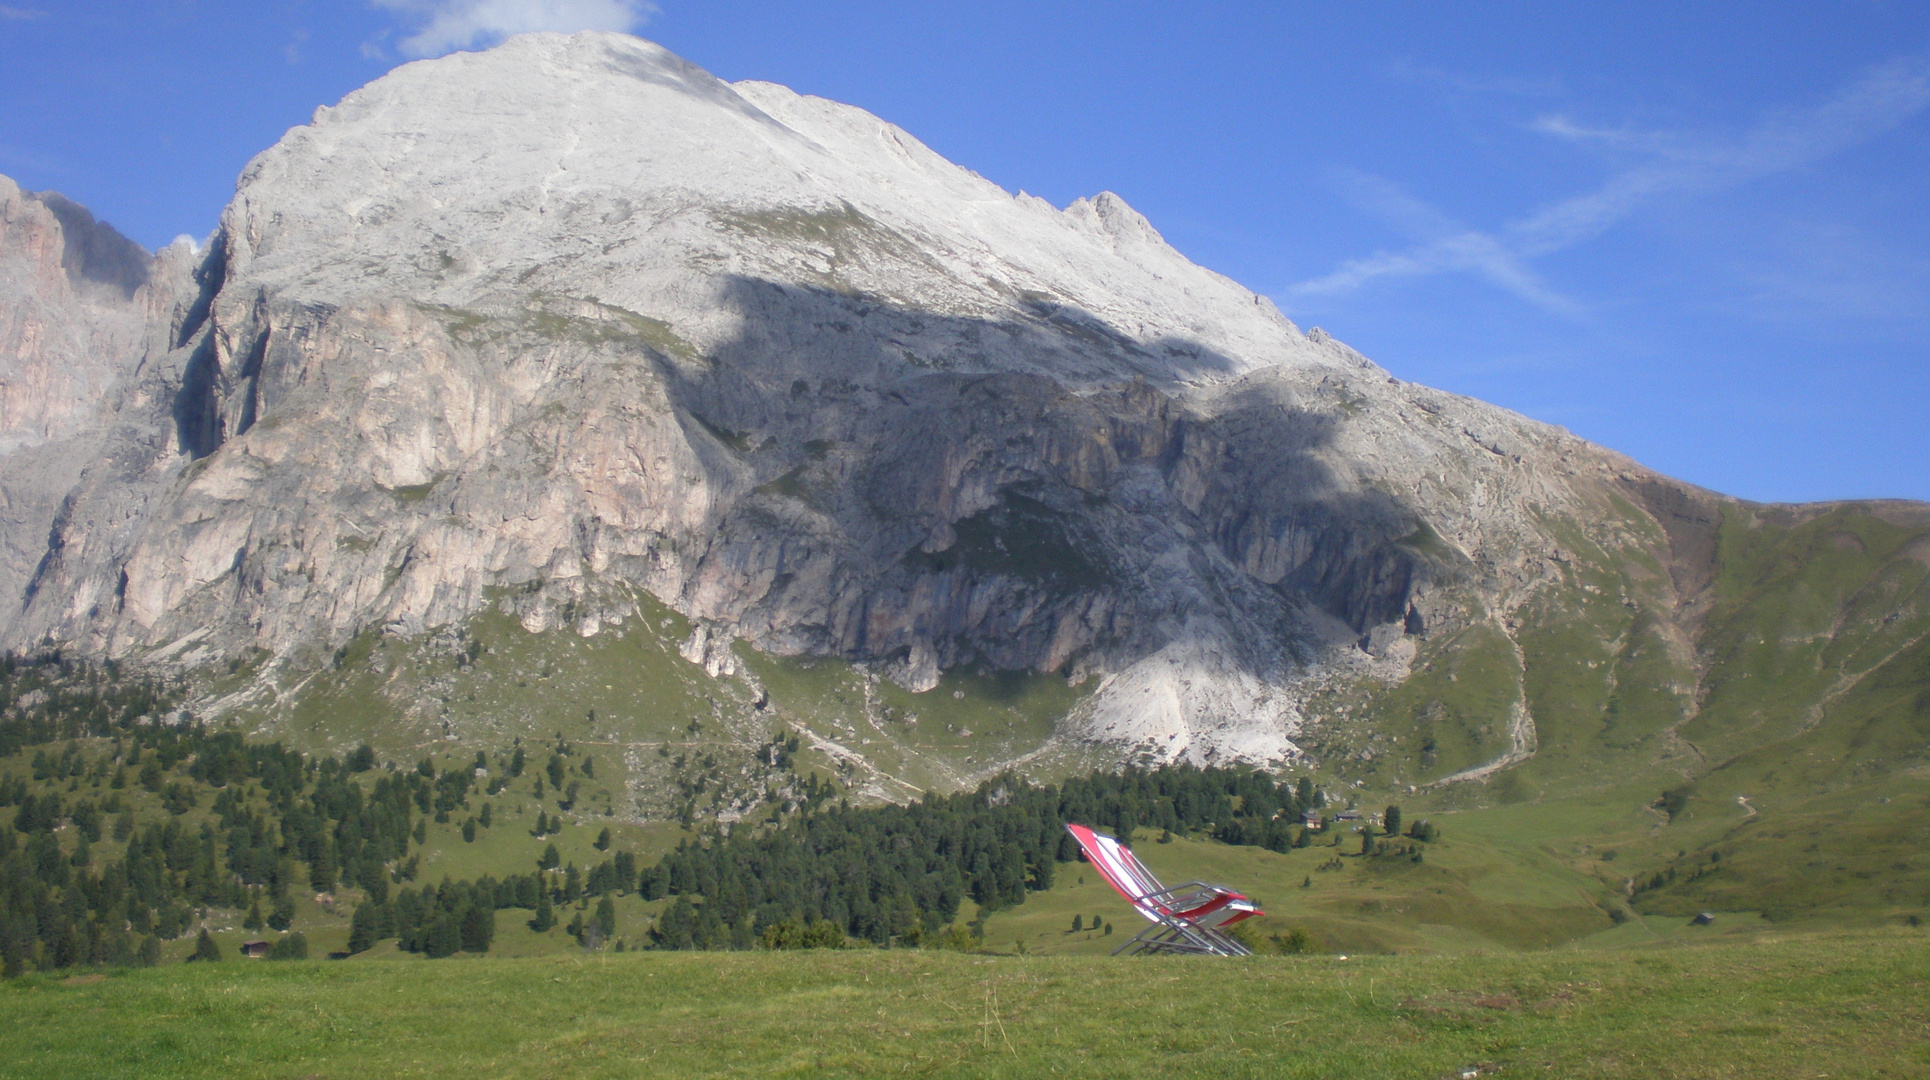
(80, 306)
(536, 326)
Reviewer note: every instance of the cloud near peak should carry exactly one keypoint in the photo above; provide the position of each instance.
(440, 26)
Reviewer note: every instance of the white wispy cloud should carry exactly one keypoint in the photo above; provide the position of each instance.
(14, 14)
(1440, 244)
(440, 26)
(1650, 166)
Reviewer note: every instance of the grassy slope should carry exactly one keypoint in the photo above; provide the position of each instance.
(1815, 715)
(1794, 714)
(1844, 1006)
(1799, 687)
(628, 698)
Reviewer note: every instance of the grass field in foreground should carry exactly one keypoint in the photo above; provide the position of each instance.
(1848, 1005)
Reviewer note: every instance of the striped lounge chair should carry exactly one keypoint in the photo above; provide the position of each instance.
(1189, 918)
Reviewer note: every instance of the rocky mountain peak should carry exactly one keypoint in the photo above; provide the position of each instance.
(554, 163)
(570, 328)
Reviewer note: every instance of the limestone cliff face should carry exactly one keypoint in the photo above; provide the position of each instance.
(72, 308)
(540, 326)
(80, 306)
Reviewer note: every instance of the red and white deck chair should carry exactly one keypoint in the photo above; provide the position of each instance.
(1189, 918)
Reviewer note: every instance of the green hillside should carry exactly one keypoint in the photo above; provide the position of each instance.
(1744, 731)
(1743, 735)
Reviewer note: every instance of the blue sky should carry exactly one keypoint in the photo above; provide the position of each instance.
(1698, 233)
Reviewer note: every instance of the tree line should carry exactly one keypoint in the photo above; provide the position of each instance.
(891, 873)
(277, 820)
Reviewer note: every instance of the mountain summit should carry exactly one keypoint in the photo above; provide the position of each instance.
(573, 332)
(557, 164)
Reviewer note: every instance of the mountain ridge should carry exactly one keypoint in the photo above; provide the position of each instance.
(616, 334)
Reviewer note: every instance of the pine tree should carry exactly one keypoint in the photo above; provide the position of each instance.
(1391, 821)
(284, 914)
(545, 914)
(603, 839)
(321, 872)
(478, 928)
(254, 920)
(363, 928)
(675, 929)
(445, 936)
(606, 917)
(205, 948)
(469, 831)
(1078, 923)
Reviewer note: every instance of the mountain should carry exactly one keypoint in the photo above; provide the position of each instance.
(565, 387)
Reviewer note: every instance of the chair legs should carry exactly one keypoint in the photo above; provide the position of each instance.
(1178, 936)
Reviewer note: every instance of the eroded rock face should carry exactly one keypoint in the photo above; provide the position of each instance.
(71, 311)
(615, 324)
(80, 306)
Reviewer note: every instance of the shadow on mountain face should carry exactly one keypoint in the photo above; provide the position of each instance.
(971, 498)
(197, 406)
(94, 251)
(793, 331)
(1023, 491)
(1278, 510)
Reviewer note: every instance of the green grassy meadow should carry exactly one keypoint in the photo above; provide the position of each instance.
(1853, 1005)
